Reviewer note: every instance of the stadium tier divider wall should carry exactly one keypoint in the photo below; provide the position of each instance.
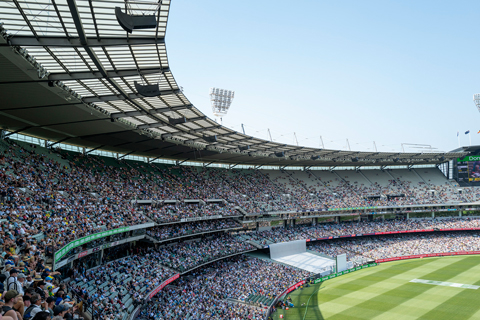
(283, 249)
(81, 241)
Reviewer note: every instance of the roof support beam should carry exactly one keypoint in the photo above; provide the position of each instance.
(130, 96)
(16, 131)
(180, 162)
(193, 131)
(218, 135)
(152, 125)
(130, 142)
(97, 75)
(91, 150)
(151, 160)
(57, 142)
(126, 154)
(28, 41)
(151, 111)
(72, 5)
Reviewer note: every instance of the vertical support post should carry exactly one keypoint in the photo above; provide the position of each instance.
(269, 135)
(243, 129)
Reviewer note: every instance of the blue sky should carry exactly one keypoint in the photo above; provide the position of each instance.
(392, 72)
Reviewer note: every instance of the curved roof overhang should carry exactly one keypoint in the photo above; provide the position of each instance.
(68, 73)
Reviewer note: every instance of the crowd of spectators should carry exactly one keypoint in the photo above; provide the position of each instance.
(186, 255)
(170, 212)
(64, 202)
(113, 288)
(29, 289)
(381, 247)
(281, 234)
(48, 198)
(190, 228)
(203, 294)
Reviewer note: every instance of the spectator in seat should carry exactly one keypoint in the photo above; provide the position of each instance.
(44, 315)
(36, 306)
(61, 310)
(11, 300)
(50, 305)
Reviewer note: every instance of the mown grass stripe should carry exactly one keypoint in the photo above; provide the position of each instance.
(344, 285)
(461, 306)
(414, 306)
(377, 282)
(430, 299)
(392, 298)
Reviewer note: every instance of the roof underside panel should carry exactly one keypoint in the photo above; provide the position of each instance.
(69, 72)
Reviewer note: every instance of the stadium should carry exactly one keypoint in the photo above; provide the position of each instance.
(121, 200)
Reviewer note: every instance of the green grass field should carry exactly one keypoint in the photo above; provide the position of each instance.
(385, 292)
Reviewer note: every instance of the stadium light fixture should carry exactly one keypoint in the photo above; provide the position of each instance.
(221, 100)
(210, 139)
(128, 22)
(476, 99)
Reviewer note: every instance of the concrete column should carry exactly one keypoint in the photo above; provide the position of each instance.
(459, 213)
(257, 225)
(433, 215)
(408, 215)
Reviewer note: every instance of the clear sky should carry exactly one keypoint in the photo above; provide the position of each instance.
(392, 72)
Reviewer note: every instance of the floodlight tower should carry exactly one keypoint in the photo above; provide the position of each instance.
(221, 100)
(476, 99)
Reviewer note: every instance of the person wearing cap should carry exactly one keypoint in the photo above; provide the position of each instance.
(60, 310)
(44, 315)
(40, 288)
(12, 282)
(21, 283)
(11, 299)
(71, 309)
(6, 272)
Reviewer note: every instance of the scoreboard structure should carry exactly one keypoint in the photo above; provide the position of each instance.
(467, 171)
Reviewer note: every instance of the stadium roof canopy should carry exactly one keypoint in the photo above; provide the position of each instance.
(67, 75)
